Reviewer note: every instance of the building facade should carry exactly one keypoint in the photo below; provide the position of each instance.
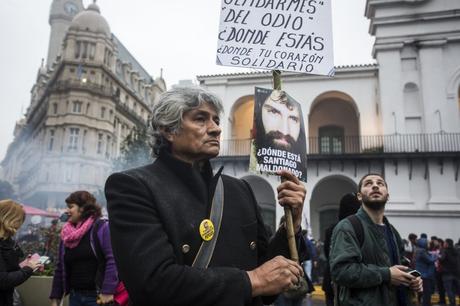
(87, 98)
(399, 117)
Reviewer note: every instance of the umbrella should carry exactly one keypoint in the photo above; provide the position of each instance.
(29, 210)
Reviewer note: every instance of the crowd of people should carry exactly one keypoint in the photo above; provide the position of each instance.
(438, 261)
(89, 278)
(181, 234)
(165, 219)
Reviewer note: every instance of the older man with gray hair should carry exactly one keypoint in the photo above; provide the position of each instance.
(183, 235)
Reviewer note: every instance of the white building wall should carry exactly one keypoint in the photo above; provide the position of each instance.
(423, 191)
(432, 85)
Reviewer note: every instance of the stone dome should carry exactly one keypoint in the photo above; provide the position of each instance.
(91, 20)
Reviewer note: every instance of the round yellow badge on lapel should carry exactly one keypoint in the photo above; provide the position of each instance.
(206, 229)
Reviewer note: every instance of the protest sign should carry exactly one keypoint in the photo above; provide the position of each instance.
(278, 135)
(288, 35)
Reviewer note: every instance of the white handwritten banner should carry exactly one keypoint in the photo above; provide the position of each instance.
(289, 35)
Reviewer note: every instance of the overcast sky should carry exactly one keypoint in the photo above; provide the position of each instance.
(179, 36)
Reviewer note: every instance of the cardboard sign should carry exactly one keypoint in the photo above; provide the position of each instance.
(278, 134)
(289, 35)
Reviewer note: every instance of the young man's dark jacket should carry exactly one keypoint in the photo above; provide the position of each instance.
(362, 273)
(155, 212)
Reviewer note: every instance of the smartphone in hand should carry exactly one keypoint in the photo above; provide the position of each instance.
(44, 260)
(414, 273)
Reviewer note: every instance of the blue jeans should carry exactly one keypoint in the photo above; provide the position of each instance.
(449, 282)
(80, 299)
(307, 266)
(284, 301)
(428, 288)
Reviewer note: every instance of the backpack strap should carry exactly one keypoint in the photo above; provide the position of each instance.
(358, 228)
(359, 231)
(204, 255)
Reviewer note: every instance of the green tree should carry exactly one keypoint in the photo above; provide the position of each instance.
(6, 191)
(135, 150)
(100, 197)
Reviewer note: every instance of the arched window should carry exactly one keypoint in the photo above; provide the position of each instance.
(242, 117)
(324, 202)
(458, 97)
(411, 100)
(265, 198)
(333, 126)
(412, 109)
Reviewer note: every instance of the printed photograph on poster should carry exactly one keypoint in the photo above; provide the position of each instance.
(278, 134)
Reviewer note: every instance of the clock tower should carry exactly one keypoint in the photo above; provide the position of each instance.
(61, 15)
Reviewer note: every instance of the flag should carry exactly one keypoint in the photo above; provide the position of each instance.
(79, 71)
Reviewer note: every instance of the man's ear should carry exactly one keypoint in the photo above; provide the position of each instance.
(359, 196)
(167, 134)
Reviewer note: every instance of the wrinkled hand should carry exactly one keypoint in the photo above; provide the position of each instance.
(417, 284)
(33, 264)
(104, 298)
(274, 276)
(292, 192)
(399, 277)
(55, 302)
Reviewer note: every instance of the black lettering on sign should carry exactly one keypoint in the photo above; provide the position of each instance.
(241, 35)
(299, 6)
(302, 41)
(237, 17)
(235, 50)
(282, 21)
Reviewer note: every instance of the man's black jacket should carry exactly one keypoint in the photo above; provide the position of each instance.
(156, 210)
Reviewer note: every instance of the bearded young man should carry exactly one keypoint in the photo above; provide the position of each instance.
(370, 273)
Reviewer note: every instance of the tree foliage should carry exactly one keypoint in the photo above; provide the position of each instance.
(100, 197)
(6, 190)
(135, 150)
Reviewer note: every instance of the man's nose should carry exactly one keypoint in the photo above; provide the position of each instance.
(214, 129)
(283, 126)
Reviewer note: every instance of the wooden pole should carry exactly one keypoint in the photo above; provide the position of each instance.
(287, 210)
(276, 79)
(300, 289)
(290, 234)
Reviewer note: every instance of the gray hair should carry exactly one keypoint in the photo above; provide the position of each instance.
(168, 113)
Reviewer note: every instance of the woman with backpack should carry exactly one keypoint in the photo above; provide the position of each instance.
(81, 272)
(12, 272)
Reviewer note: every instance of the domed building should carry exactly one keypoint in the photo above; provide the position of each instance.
(88, 96)
(91, 21)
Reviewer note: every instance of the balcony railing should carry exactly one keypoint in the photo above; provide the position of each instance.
(77, 84)
(396, 143)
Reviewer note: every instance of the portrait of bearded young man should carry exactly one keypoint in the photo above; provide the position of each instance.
(279, 122)
(278, 128)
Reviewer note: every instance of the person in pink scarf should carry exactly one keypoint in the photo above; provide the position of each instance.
(79, 271)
